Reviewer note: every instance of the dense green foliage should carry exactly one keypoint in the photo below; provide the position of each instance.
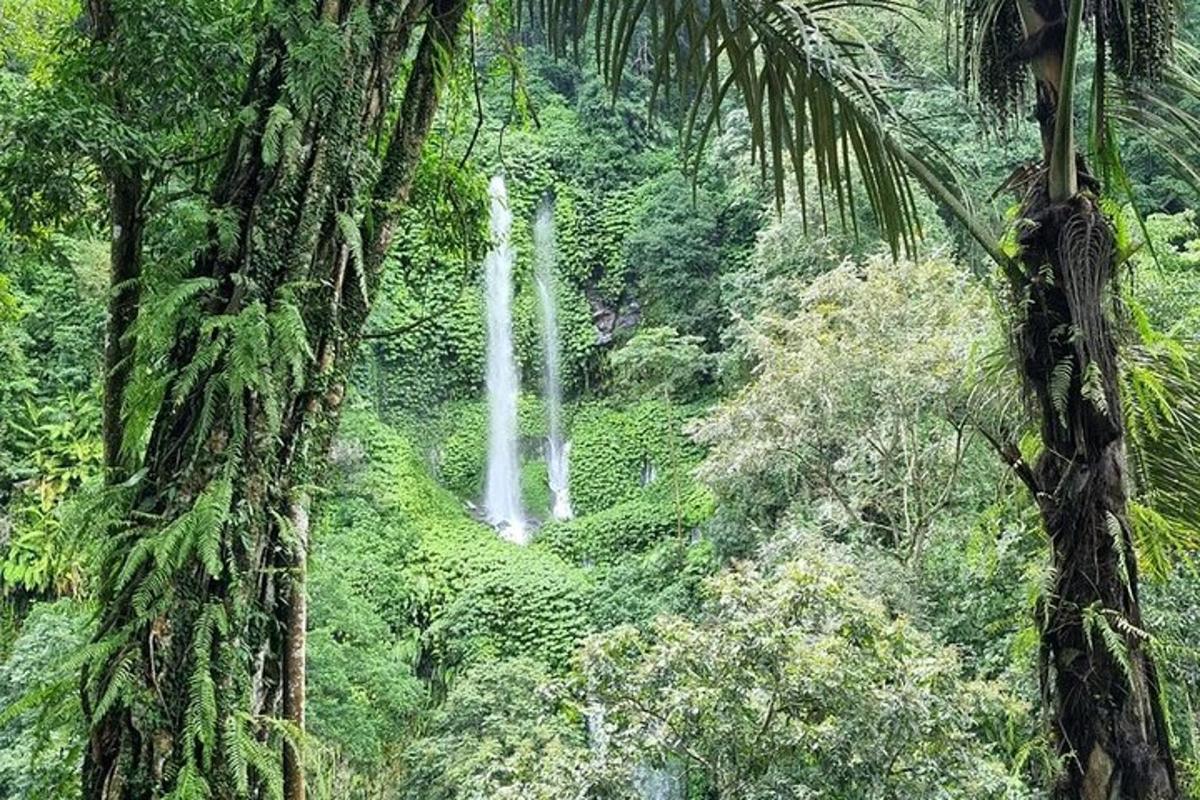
(800, 564)
(792, 683)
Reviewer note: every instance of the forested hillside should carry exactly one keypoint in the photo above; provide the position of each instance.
(644, 401)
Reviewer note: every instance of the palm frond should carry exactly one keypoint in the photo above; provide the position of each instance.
(1166, 112)
(1161, 387)
(807, 80)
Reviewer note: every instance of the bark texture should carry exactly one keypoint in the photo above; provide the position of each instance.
(1098, 673)
(295, 653)
(1098, 676)
(200, 645)
(125, 197)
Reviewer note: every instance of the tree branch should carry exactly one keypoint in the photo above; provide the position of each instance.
(1012, 456)
(954, 204)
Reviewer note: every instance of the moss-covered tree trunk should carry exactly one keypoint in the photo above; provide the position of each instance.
(194, 687)
(1097, 671)
(1108, 723)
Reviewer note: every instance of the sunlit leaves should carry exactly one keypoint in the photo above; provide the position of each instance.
(791, 682)
(855, 398)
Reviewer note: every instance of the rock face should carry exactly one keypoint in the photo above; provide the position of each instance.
(608, 320)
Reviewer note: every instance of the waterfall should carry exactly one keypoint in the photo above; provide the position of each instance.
(502, 491)
(657, 783)
(557, 449)
(649, 783)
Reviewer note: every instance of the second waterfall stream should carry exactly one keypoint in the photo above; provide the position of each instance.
(558, 450)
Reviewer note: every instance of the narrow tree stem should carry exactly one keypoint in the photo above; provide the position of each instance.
(295, 661)
(1064, 178)
(125, 256)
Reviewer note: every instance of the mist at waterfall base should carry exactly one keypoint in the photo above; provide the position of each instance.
(502, 487)
(557, 449)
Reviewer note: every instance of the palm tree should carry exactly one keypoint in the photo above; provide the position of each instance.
(809, 84)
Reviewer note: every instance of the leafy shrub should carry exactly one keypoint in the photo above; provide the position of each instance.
(613, 449)
(42, 731)
(503, 733)
(535, 488)
(664, 579)
(631, 526)
(876, 357)
(792, 683)
(531, 607)
(364, 691)
(424, 565)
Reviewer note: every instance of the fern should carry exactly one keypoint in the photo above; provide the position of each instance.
(196, 531)
(228, 231)
(151, 593)
(142, 405)
(248, 370)
(200, 718)
(234, 755)
(289, 339)
(1117, 533)
(157, 323)
(263, 760)
(1093, 388)
(214, 389)
(248, 349)
(274, 132)
(137, 557)
(190, 784)
(204, 360)
(1060, 385)
(1119, 622)
(119, 685)
(208, 525)
(1095, 618)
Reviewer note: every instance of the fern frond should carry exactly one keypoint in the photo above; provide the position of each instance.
(263, 761)
(1095, 618)
(289, 336)
(1060, 385)
(1116, 532)
(204, 360)
(137, 557)
(279, 119)
(120, 683)
(234, 755)
(1092, 388)
(190, 784)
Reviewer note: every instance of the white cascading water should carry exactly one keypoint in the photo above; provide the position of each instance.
(502, 488)
(558, 450)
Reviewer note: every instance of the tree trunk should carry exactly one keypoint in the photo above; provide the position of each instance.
(200, 644)
(294, 679)
(126, 199)
(1097, 673)
(125, 196)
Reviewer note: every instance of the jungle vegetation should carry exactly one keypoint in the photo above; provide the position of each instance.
(878, 345)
